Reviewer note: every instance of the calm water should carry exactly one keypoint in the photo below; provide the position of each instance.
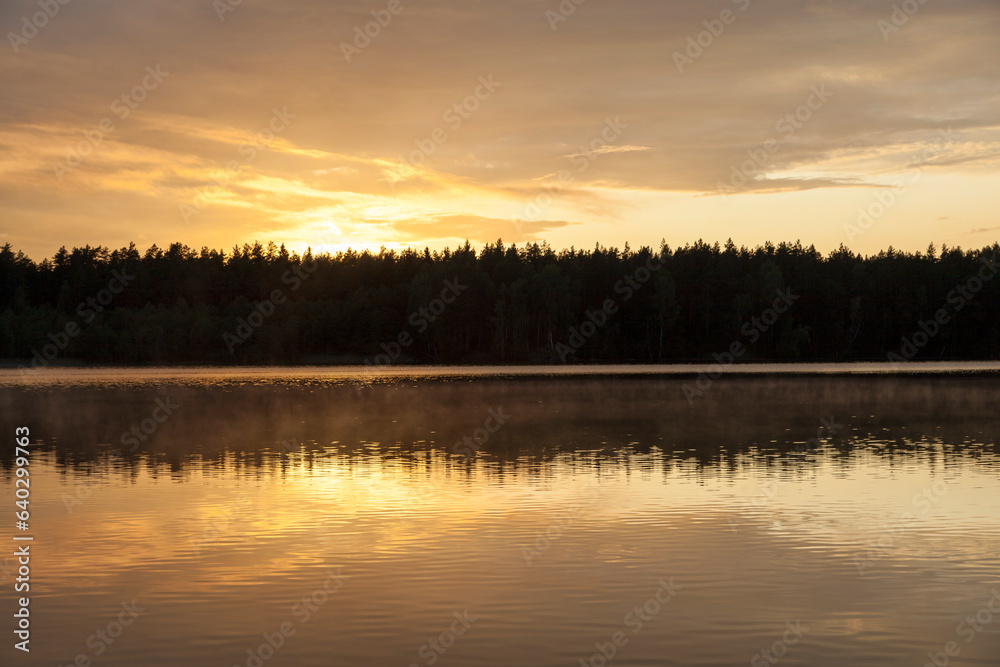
(848, 518)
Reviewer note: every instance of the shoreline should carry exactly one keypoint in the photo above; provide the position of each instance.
(442, 372)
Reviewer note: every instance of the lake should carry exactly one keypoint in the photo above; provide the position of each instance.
(627, 516)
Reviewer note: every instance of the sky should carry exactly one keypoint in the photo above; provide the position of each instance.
(330, 124)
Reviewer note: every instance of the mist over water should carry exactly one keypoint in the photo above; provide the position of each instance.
(509, 517)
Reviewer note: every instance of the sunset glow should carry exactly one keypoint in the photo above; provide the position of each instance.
(214, 123)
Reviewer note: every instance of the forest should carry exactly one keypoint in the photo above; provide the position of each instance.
(503, 304)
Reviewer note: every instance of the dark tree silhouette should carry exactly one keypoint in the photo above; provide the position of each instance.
(261, 304)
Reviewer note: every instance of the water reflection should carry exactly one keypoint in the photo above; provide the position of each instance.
(607, 416)
(346, 516)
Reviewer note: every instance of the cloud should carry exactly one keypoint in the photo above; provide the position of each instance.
(474, 228)
(356, 125)
(984, 230)
(604, 150)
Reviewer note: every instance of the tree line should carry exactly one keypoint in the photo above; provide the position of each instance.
(503, 304)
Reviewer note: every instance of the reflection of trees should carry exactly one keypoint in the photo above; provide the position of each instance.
(602, 419)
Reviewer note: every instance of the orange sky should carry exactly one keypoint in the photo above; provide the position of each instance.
(214, 124)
